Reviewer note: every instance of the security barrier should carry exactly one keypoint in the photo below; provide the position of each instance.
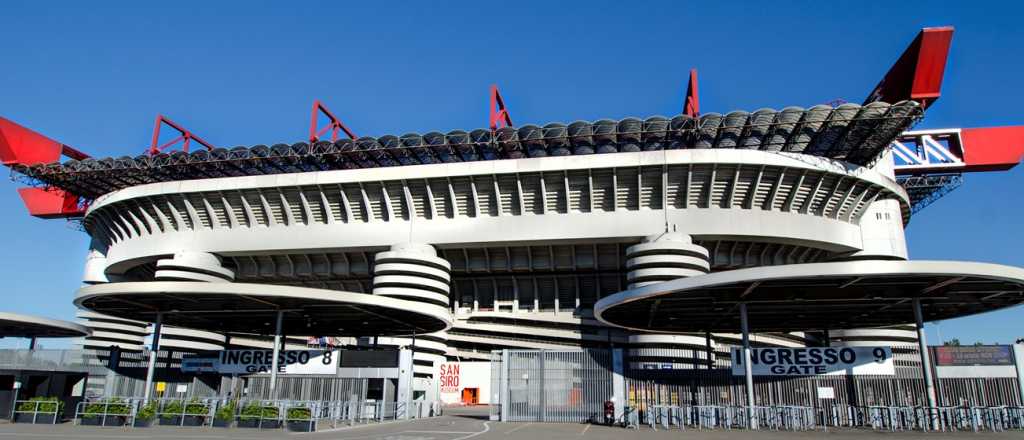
(296, 415)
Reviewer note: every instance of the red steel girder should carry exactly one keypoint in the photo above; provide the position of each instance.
(499, 114)
(917, 74)
(692, 104)
(335, 124)
(185, 137)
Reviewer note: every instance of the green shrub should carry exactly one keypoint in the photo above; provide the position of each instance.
(299, 413)
(147, 412)
(172, 408)
(255, 410)
(42, 405)
(226, 412)
(196, 408)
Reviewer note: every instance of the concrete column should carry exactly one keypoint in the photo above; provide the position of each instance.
(403, 396)
(154, 348)
(747, 368)
(926, 366)
(32, 343)
(709, 350)
(1018, 360)
(503, 385)
(618, 383)
(277, 351)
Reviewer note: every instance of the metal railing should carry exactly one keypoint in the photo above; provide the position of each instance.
(182, 412)
(36, 410)
(779, 418)
(803, 418)
(107, 412)
(260, 414)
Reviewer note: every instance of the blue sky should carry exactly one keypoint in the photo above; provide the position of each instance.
(94, 75)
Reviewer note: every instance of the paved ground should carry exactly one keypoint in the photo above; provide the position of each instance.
(457, 424)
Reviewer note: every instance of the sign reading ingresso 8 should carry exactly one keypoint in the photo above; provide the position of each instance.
(261, 361)
(813, 361)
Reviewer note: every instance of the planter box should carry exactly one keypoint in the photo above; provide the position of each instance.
(257, 423)
(92, 421)
(40, 419)
(248, 423)
(115, 421)
(140, 423)
(301, 425)
(170, 420)
(218, 423)
(194, 420)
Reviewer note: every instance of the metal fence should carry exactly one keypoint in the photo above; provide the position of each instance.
(552, 385)
(297, 415)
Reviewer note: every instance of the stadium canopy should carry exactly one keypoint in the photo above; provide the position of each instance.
(836, 295)
(253, 308)
(853, 133)
(25, 326)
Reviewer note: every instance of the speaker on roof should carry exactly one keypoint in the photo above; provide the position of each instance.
(532, 139)
(581, 136)
(508, 143)
(439, 145)
(458, 140)
(556, 134)
(810, 124)
(758, 126)
(655, 132)
(628, 134)
(707, 130)
(782, 129)
(481, 139)
(414, 142)
(732, 128)
(681, 132)
(394, 146)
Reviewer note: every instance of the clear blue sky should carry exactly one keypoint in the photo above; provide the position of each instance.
(94, 75)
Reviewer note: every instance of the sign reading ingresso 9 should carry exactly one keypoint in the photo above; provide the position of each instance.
(813, 361)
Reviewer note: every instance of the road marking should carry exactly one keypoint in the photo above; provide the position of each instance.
(441, 432)
(487, 427)
(518, 428)
(585, 429)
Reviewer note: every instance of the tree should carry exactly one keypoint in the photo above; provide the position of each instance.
(955, 342)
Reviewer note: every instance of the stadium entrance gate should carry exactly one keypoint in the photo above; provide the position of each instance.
(572, 386)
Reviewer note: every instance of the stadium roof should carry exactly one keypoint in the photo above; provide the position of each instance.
(26, 326)
(834, 295)
(850, 132)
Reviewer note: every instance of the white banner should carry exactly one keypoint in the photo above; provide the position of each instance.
(260, 361)
(814, 361)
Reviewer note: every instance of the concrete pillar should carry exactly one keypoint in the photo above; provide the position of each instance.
(405, 378)
(276, 351)
(747, 368)
(926, 366)
(618, 384)
(154, 348)
(1018, 360)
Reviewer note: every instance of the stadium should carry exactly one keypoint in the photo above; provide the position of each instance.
(652, 236)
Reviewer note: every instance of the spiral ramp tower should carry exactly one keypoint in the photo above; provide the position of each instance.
(190, 266)
(657, 259)
(108, 332)
(414, 272)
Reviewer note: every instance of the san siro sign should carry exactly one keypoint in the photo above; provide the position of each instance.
(261, 361)
(816, 361)
(450, 378)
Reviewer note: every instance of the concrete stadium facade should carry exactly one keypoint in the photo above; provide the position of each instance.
(518, 250)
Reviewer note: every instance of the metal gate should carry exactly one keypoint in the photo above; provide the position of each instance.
(552, 385)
